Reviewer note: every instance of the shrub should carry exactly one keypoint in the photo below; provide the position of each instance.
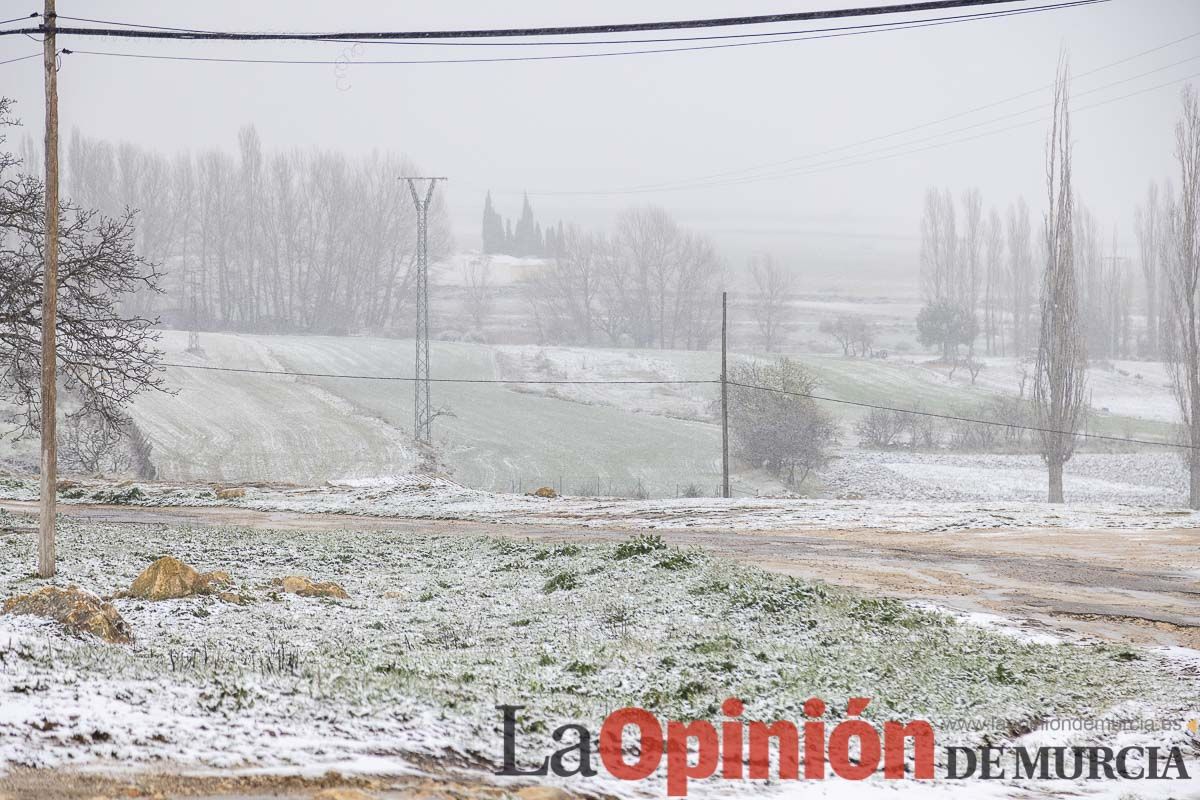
(565, 581)
(775, 426)
(640, 544)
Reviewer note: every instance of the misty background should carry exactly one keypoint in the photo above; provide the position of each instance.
(563, 129)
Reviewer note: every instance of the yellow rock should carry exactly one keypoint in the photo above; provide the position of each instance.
(343, 794)
(542, 793)
(74, 608)
(231, 494)
(545, 491)
(169, 578)
(306, 587)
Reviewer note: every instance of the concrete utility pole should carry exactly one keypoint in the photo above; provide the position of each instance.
(422, 409)
(46, 558)
(724, 398)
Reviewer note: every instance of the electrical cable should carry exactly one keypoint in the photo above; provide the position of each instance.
(709, 382)
(760, 34)
(568, 56)
(686, 24)
(671, 184)
(956, 418)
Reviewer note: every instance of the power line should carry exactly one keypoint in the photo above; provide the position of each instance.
(844, 162)
(701, 181)
(898, 26)
(21, 58)
(709, 382)
(956, 418)
(625, 27)
(19, 19)
(411, 378)
(662, 40)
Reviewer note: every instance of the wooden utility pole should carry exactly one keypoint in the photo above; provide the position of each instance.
(46, 558)
(724, 398)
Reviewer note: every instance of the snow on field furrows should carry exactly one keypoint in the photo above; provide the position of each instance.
(624, 440)
(415, 660)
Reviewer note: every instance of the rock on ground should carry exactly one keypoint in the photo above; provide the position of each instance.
(343, 794)
(306, 587)
(169, 578)
(76, 610)
(542, 793)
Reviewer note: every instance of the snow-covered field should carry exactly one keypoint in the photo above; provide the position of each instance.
(239, 426)
(627, 440)
(439, 630)
(1139, 479)
(421, 497)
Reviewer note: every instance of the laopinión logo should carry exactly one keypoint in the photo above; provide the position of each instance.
(740, 750)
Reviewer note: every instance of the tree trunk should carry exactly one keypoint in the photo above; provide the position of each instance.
(1055, 467)
(1194, 490)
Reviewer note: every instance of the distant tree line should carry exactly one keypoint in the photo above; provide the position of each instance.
(648, 283)
(297, 240)
(978, 274)
(526, 239)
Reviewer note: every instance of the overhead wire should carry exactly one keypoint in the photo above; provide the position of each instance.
(684, 24)
(901, 25)
(957, 418)
(900, 132)
(686, 382)
(586, 42)
(871, 157)
(21, 58)
(431, 380)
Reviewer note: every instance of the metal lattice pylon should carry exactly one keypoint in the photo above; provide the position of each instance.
(422, 409)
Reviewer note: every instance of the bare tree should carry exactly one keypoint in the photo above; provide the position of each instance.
(284, 241)
(1020, 276)
(1181, 251)
(853, 332)
(1095, 282)
(105, 355)
(477, 286)
(971, 279)
(91, 446)
(939, 248)
(565, 296)
(1147, 224)
(994, 269)
(772, 285)
(1061, 373)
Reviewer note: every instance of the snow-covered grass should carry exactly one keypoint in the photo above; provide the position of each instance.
(1095, 479)
(629, 440)
(916, 504)
(438, 630)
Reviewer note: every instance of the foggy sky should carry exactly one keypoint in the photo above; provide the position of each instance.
(611, 123)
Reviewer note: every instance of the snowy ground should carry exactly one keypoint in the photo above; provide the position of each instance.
(437, 631)
(1140, 479)
(626, 440)
(927, 506)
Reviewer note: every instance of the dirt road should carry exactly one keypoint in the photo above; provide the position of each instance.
(1135, 586)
